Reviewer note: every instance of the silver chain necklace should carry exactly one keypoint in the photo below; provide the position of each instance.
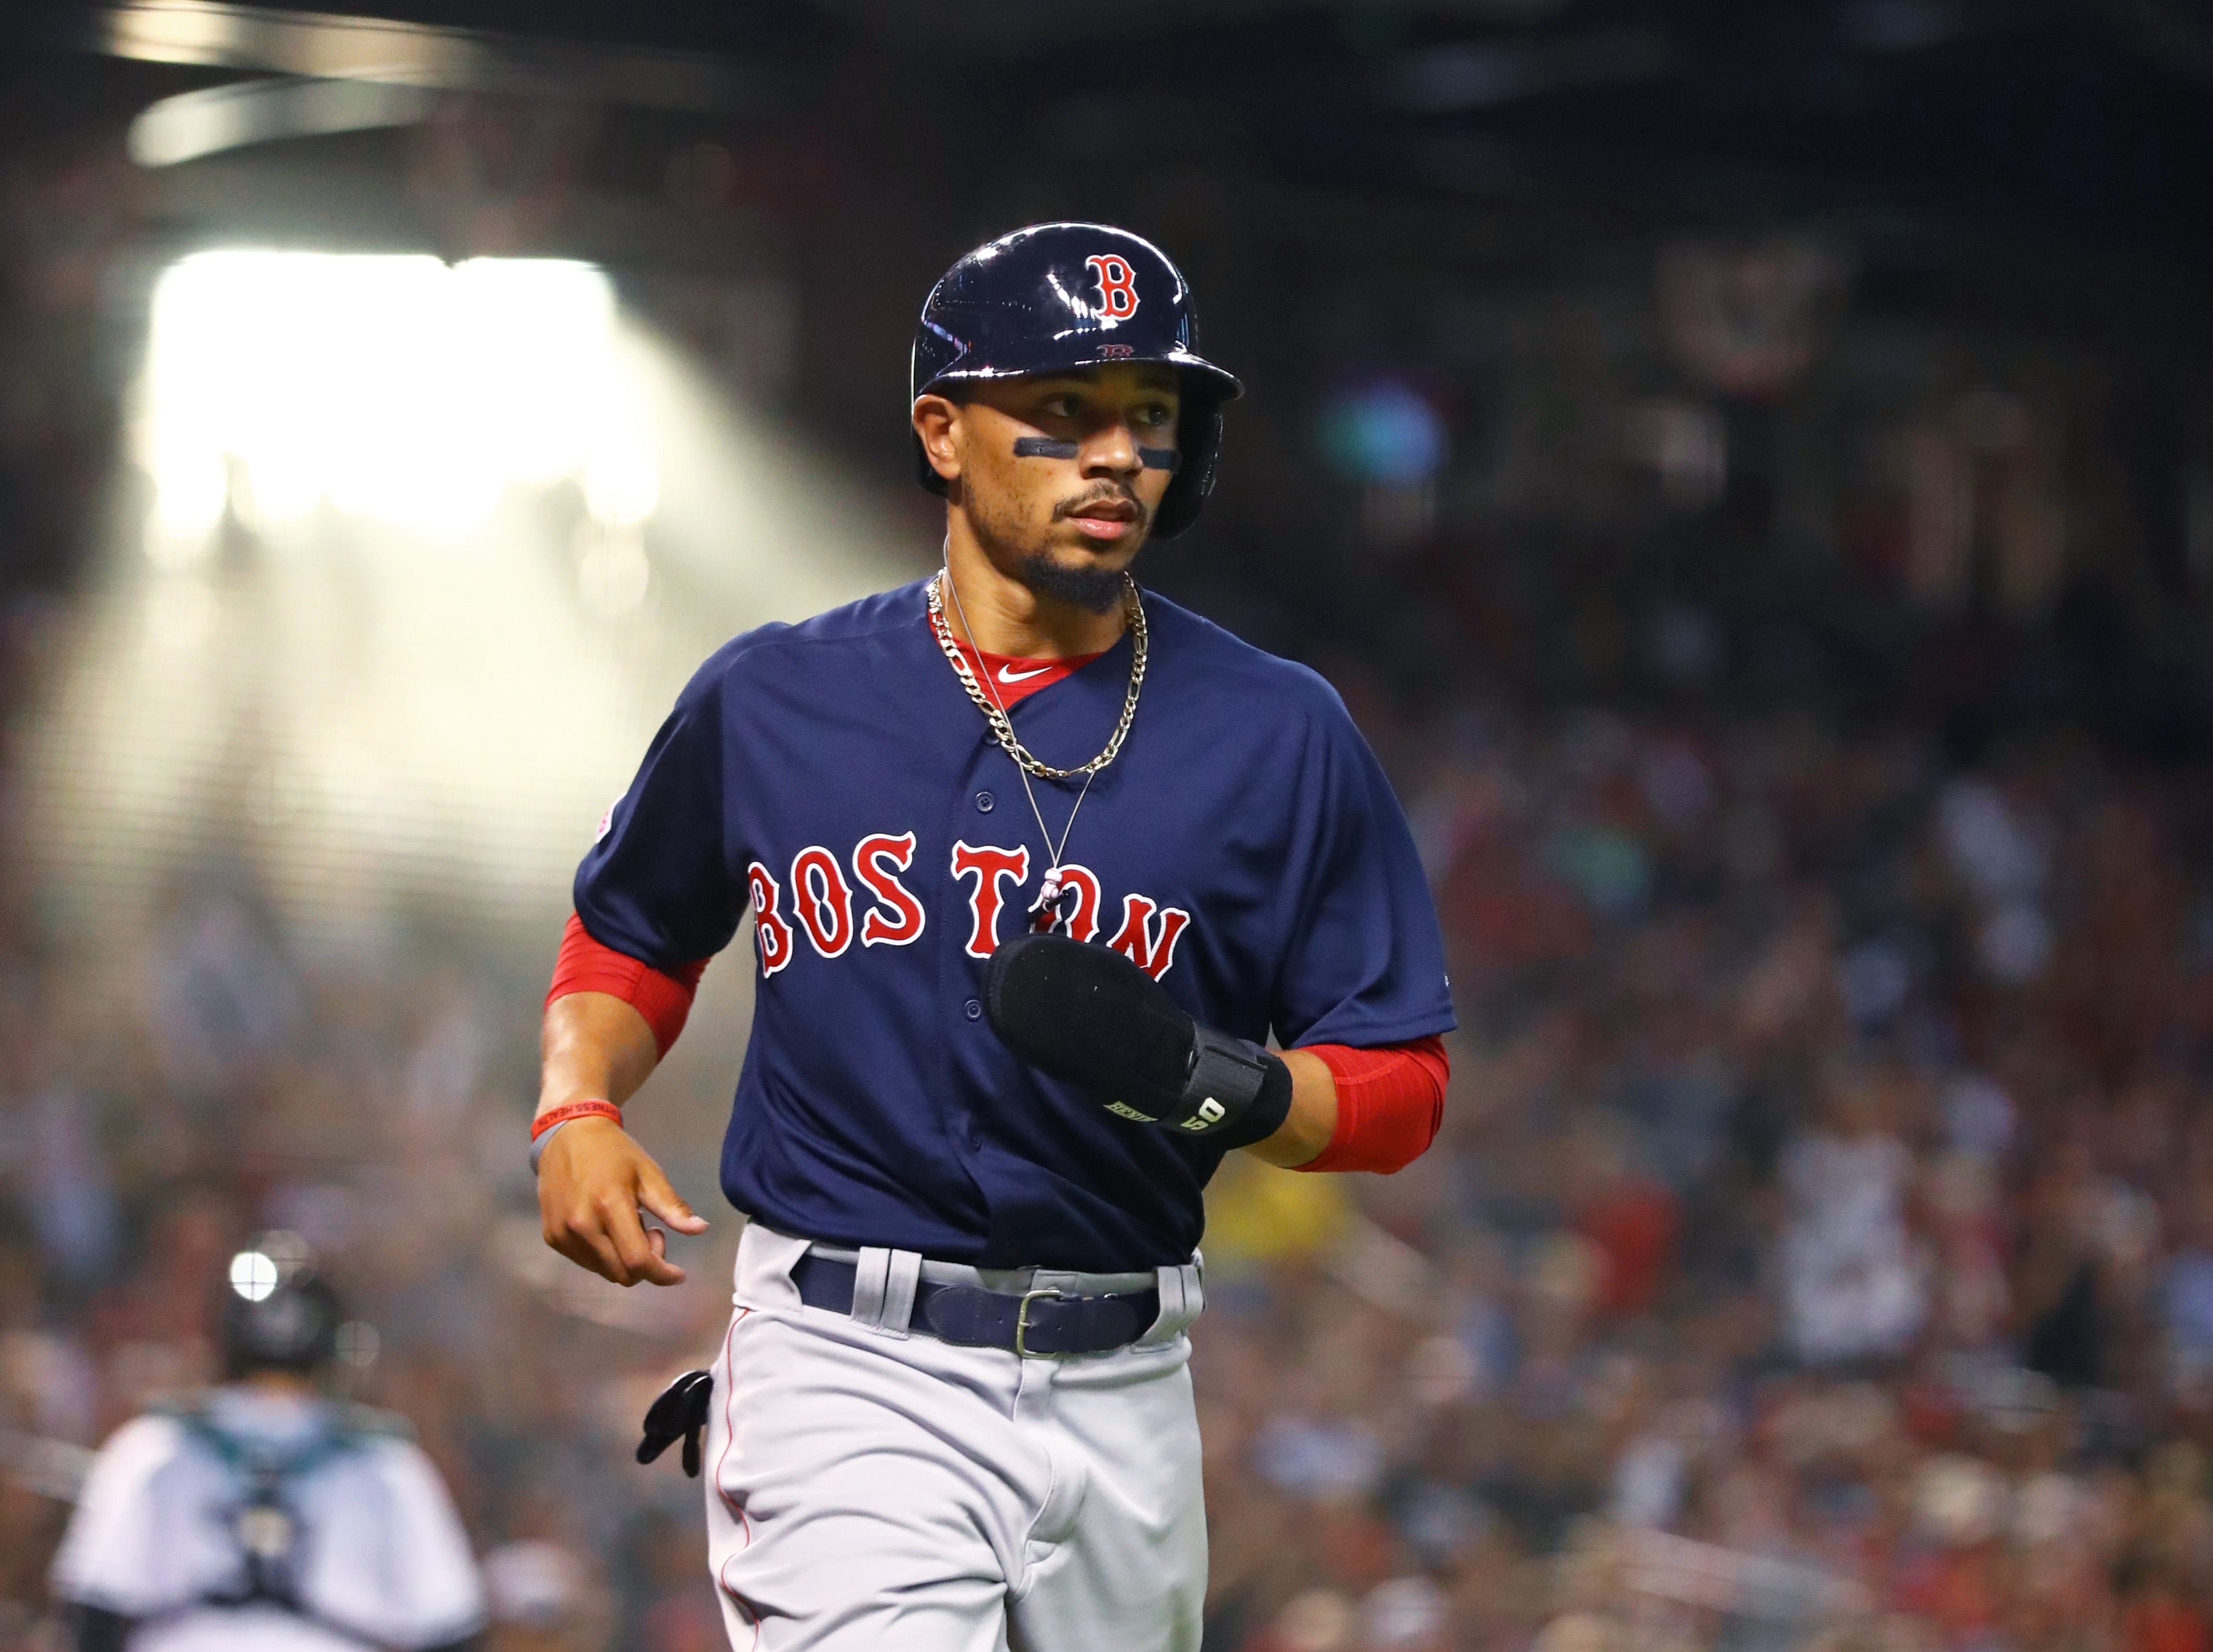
(995, 714)
(1045, 912)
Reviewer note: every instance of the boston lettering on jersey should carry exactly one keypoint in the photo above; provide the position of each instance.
(823, 904)
(832, 780)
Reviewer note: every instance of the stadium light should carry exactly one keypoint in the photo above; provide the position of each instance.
(253, 1275)
(397, 387)
(381, 719)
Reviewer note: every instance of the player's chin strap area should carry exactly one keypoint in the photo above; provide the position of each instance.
(1088, 1014)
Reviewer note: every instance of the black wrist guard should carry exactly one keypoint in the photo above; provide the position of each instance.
(1089, 1014)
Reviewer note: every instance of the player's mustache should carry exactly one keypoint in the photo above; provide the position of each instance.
(1109, 494)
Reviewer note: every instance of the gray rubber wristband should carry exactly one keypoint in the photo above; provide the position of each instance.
(538, 1147)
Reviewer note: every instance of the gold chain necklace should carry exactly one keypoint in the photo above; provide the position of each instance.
(996, 714)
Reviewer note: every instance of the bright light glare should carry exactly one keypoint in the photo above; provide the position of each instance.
(377, 722)
(253, 1275)
(397, 387)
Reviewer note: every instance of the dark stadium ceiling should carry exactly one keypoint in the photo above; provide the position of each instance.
(2083, 118)
(2176, 32)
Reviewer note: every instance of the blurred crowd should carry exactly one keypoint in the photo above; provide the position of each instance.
(1818, 1250)
(156, 1108)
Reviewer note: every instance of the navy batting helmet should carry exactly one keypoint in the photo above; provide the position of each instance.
(1056, 297)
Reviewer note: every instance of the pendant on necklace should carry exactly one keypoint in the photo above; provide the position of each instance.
(1045, 914)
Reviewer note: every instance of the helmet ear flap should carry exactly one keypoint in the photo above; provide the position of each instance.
(1198, 434)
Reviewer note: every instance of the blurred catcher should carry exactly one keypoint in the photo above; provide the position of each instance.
(1011, 1010)
(264, 1515)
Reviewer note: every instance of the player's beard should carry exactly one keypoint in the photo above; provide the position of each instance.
(1082, 584)
(1088, 586)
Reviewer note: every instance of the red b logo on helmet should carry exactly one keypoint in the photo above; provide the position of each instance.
(1118, 286)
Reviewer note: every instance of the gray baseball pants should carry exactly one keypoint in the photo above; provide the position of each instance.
(876, 1491)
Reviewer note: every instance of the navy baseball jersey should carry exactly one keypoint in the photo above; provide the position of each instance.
(1245, 849)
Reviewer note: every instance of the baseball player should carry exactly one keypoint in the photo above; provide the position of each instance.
(1037, 862)
(264, 1517)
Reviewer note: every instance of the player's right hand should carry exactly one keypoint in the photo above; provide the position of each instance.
(594, 1184)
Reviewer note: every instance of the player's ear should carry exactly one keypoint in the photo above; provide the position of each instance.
(937, 423)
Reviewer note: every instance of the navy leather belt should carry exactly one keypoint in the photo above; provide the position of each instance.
(1035, 1324)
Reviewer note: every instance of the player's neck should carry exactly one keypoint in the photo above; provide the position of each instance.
(997, 614)
(290, 1385)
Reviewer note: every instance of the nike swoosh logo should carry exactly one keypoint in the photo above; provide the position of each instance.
(1006, 676)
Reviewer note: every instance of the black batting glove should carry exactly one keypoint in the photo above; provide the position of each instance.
(680, 1413)
(1087, 1014)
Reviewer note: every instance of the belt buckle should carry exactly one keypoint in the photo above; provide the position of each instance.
(1022, 1322)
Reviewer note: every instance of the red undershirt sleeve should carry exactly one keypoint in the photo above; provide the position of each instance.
(663, 998)
(1390, 1101)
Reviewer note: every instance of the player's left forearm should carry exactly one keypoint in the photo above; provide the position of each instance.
(1090, 1016)
(1307, 1128)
